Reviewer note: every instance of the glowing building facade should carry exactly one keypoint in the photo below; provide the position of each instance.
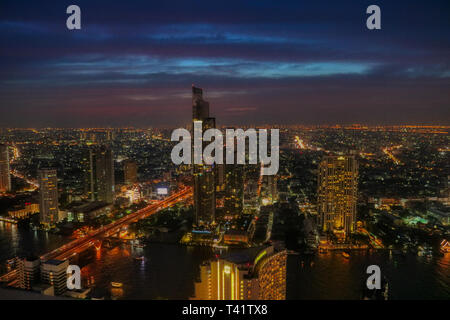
(337, 194)
(234, 189)
(5, 178)
(225, 280)
(48, 195)
(239, 277)
(272, 276)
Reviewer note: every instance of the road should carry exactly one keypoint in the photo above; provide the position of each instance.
(374, 241)
(81, 244)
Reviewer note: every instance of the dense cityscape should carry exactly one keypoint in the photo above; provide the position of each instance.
(232, 157)
(78, 196)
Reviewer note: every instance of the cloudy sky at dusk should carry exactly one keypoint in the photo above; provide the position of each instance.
(307, 62)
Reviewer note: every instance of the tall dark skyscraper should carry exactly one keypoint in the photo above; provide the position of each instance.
(234, 189)
(48, 196)
(232, 185)
(204, 175)
(337, 194)
(85, 165)
(5, 178)
(130, 172)
(102, 174)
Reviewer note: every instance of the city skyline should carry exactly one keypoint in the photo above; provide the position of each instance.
(134, 158)
(297, 63)
(312, 208)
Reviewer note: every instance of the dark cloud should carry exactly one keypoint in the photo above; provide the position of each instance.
(259, 61)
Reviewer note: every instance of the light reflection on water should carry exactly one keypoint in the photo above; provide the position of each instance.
(168, 271)
(15, 241)
(334, 277)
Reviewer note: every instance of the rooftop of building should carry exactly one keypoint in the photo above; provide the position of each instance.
(31, 258)
(236, 232)
(247, 256)
(54, 262)
(82, 206)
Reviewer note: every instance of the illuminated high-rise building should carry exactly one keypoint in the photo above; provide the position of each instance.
(5, 178)
(244, 277)
(48, 195)
(337, 194)
(85, 167)
(271, 271)
(220, 177)
(226, 280)
(130, 172)
(233, 189)
(204, 175)
(102, 174)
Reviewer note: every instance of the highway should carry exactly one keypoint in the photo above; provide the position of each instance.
(304, 146)
(79, 245)
(388, 152)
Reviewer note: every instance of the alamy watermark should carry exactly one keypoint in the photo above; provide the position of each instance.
(73, 277)
(374, 281)
(213, 153)
(373, 22)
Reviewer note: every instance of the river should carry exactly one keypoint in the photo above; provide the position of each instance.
(169, 271)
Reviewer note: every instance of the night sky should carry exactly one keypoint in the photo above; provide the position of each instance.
(259, 62)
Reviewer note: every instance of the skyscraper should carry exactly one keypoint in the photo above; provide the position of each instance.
(85, 166)
(5, 178)
(337, 194)
(245, 276)
(271, 272)
(220, 177)
(204, 175)
(234, 189)
(102, 174)
(130, 172)
(48, 195)
(226, 279)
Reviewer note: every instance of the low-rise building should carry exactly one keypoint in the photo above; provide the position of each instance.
(28, 271)
(24, 211)
(88, 211)
(235, 237)
(54, 273)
